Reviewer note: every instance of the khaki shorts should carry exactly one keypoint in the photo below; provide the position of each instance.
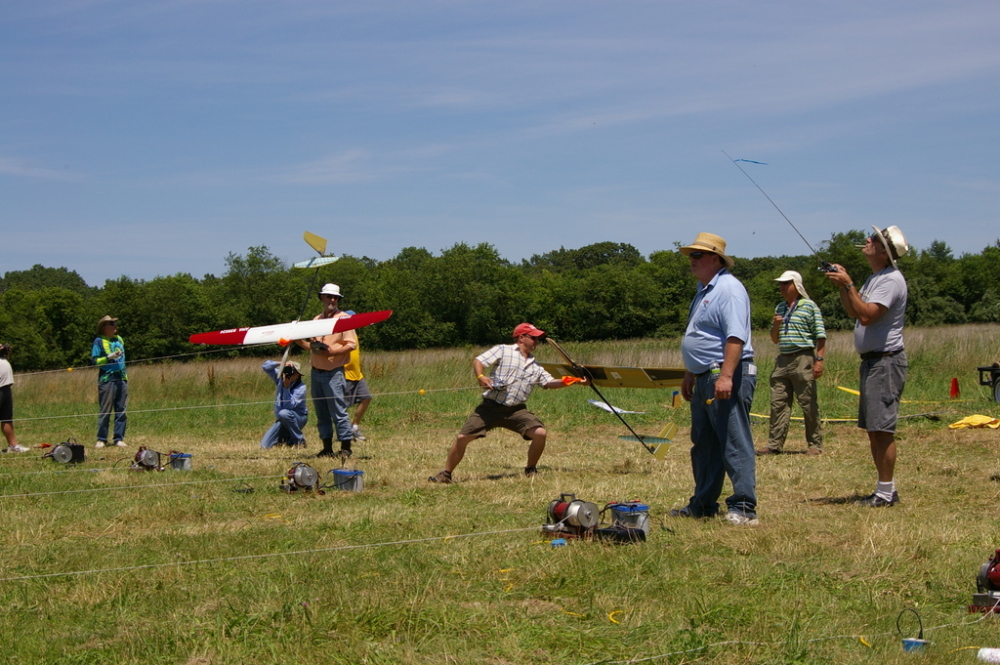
(489, 415)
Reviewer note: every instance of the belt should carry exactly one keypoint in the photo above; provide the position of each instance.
(743, 360)
(795, 353)
(873, 355)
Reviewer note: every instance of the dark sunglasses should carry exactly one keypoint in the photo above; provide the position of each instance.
(698, 255)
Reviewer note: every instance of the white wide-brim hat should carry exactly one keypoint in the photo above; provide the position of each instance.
(796, 278)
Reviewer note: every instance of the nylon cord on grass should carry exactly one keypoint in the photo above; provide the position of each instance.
(246, 557)
(129, 487)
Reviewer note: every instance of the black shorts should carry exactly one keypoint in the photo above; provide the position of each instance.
(6, 405)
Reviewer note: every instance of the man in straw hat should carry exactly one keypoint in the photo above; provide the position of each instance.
(719, 381)
(513, 375)
(797, 329)
(108, 353)
(879, 307)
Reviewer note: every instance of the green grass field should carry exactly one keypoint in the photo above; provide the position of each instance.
(100, 564)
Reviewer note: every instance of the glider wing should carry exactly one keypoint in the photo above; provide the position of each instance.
(621, 377)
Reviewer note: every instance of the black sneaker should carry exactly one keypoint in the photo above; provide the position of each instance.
(345, 453)
(531, 471)
(875, 501)
(326, 452)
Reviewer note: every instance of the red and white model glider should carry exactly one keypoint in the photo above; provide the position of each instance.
(285, 333)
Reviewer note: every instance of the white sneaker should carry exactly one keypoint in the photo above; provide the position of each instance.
(99, 444)
(120, 443)
(741, 520)
(16, 448)
(358, 436)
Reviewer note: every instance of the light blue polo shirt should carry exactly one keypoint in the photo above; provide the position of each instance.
(720, 310)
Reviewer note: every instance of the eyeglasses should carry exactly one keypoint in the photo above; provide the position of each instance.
(698, 255)
(329, 295)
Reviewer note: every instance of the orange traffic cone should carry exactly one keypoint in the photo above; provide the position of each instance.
(955, 392)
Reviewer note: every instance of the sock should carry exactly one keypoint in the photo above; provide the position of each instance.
(885, 490)
(345, 445)
(328, 445)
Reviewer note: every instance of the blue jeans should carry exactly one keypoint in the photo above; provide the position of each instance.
(293, 424)
(328, 387)
(723, 445)
(113, 398)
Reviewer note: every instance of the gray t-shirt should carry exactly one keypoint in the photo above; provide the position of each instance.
(887, 287)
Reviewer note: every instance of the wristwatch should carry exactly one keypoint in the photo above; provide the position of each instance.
(819, 358)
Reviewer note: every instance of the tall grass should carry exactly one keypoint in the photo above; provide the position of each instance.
(460, 573)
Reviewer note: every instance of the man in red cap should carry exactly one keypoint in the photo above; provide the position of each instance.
(513, 374)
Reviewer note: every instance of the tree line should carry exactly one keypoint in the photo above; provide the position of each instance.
(467, 295)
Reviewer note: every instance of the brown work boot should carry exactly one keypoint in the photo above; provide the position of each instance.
(814, 451)
(768, 451)
(444, 477)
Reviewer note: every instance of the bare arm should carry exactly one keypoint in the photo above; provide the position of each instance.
(818, 365)
(732, 355)
(866, 313)
(480, 370)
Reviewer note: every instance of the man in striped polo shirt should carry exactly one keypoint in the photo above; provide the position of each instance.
(798, 331)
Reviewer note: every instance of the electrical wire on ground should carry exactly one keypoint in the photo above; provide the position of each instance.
(247, 557)
(131, 487)
(24, 474)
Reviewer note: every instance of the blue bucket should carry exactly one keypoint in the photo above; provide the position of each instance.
(180, 461)
(349, 480)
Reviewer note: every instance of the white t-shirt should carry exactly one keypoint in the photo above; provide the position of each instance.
(6, 373)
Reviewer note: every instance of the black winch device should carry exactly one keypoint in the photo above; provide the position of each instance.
(569, 517)
(988, 586)
(301, 477)
(68, 452)
(147, 459)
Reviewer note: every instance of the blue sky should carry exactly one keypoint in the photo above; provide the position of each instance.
(152, 138)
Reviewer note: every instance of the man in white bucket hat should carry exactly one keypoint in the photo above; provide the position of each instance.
(328, 355)
(879, 307)
(798, 330)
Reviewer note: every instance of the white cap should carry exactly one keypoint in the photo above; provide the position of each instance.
(793, 276)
